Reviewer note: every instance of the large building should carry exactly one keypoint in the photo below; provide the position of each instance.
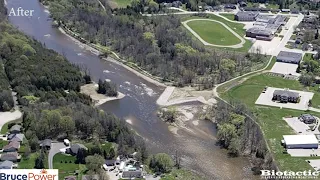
(285, 96)
(265, 26)
(246, 16)
(259, 33)
(289, 57)
(300, 141)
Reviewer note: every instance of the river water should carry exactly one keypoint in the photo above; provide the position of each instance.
(138, 108)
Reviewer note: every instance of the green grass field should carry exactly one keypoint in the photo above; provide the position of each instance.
(237, 27)
(29, 162)
(228, 15)
(270, 118)
(214, 33)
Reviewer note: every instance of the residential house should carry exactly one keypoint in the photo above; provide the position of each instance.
(289, 57)
(13, 146)
(307, 118)
(74, 148)
(285, 96)
(16, 137)
(15, 129)
(45, 144)
(131, 174)
(6, 165)
(10, 156)
(110, 162)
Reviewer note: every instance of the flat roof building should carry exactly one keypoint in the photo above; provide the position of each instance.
(246, 16)
(300, 141)
(289, 57)
(259, 33)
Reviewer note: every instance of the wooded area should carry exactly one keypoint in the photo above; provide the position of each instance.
(159, 45)
(47, 87)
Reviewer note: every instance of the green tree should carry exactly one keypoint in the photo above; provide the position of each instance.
(226, 132)
(94, 162)
(161, 162)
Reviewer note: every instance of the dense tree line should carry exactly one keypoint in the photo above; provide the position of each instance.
(159, 45)
(47, 87)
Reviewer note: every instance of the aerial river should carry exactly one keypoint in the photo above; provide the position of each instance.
(138, 107)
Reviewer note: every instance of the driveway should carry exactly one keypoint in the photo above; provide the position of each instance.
(55, 149)
(6, 117)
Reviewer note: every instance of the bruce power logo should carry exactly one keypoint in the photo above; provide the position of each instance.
(29, 174)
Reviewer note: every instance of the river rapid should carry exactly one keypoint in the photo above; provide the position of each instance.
(138, 108)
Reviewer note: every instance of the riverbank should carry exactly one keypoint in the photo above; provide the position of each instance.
(110, 59)
(91, 90)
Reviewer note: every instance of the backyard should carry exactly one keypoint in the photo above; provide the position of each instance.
(270, 118)
(66, 165)
(213, 33)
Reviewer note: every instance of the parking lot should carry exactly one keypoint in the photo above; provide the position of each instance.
(300, 127)
(266, 99)
(266, 47)
(315, 164)
(285, 68)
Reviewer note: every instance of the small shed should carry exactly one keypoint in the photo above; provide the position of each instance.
(300, 141)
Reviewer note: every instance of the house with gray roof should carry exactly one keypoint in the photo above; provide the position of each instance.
(289, 57)
(45, 144)
(6, 165)
(307, 118)
(70, 178)
(16, 137)
(15, 129)
(246, 16)
(13, 146)
(285, 96)
(10, 156)
(74, 148)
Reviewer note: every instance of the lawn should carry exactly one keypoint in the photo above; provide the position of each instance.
(3, 143)
(237, 27)
(228, 15)
(29, 162)
(272, 6)
(270, 118)
(214, 33)
(66, 165)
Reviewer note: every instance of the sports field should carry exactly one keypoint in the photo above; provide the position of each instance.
(213, 32)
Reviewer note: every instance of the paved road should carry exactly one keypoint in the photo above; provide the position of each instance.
(185, 24)
(6, 117)
(55, 149)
